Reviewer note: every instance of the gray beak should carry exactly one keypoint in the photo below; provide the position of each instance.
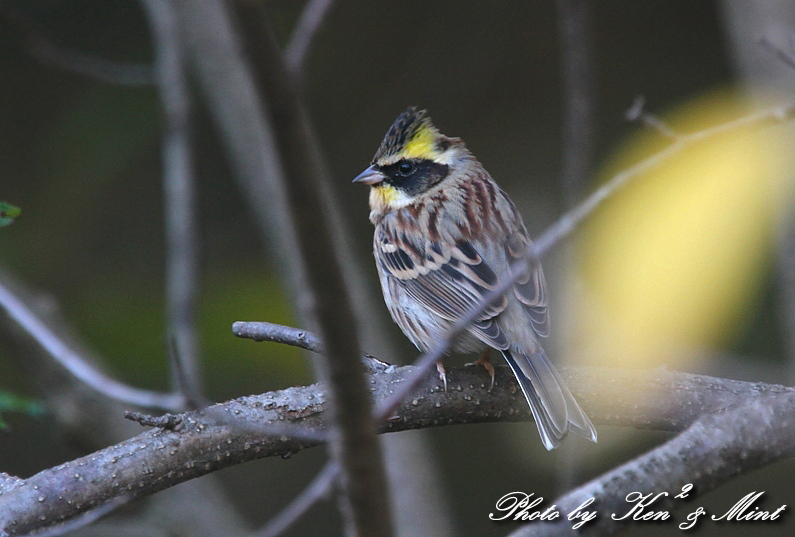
(370, 176)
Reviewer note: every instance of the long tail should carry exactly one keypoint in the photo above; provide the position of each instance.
(553, 407)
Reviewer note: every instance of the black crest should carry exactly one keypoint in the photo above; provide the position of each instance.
(404, 129)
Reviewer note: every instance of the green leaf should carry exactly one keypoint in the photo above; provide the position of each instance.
(7, 213)
(10, 402)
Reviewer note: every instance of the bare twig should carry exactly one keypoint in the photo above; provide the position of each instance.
(318, 489)
(297, 50)
(46, 338)
(568, 223)
(363, 503)
(263, 331)
(657, 399)
(179, 198)
(716, 448)
(637, 113)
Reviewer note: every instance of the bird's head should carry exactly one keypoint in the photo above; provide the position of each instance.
(413, 158)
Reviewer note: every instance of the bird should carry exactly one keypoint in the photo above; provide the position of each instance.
(445, 234)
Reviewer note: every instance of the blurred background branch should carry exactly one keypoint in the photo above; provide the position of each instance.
(312, 18)
(181, 226)
(22, 324)
(574, 19)
(575, 22)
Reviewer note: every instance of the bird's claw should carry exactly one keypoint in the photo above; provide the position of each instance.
(486, 363)
(442, 374)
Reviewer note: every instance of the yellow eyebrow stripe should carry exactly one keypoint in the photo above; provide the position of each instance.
(422, 145)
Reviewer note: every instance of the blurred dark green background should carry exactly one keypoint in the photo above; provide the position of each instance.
(82, 159)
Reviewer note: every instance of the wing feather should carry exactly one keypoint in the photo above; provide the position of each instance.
(448, 280)
(531, 291)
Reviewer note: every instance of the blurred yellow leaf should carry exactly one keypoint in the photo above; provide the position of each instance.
(673, 260)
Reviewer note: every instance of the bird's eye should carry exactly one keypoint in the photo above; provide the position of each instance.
(405, 168)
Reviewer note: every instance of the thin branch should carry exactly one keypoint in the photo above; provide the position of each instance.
(637, 113)
(263, 331)
(208, 440)
(709, 453)
(179, 198)
(318, 489)
(46, 51)
(79, 367)
(307, 28)
(575, 36)
(786, 57)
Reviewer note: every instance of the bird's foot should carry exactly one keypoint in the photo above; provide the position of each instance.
(485, 361)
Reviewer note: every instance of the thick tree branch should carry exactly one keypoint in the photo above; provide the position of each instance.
(210, 439)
